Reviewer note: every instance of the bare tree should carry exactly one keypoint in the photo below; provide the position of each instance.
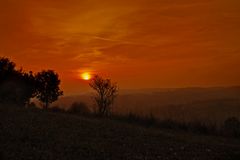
(106, 92)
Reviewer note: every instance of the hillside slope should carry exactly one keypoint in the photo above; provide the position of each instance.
(33, 134)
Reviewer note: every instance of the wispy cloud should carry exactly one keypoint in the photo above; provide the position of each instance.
(187, 36)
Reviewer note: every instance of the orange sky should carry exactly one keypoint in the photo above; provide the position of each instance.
(138, 43)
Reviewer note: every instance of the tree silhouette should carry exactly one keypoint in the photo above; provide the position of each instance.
(16, 86)
(28, 84)
(48, 90)
(7, 69)
(106, 92)
(7, 72)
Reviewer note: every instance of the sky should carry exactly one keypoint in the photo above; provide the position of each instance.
(136, 43)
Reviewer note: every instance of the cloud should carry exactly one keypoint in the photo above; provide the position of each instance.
(68, 35)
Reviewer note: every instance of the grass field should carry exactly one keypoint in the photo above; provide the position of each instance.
(35, 134)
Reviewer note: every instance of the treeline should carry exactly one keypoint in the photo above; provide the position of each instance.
(17, 87)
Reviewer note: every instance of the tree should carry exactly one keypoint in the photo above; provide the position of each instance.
(7, 68)
(7, 72)
(47, 86)
(16, 86)
(28, 87)
(106, 92)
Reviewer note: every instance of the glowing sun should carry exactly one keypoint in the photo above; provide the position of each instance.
(86, 76)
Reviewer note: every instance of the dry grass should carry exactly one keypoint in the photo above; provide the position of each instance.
(35, 134)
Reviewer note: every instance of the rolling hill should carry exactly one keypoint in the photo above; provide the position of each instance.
(36, 134)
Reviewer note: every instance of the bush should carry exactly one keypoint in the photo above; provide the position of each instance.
(195, 126)
(56, 109)
(232, 127)
(150, 120)
(31, 105)
(171, 124)
(78, 108)
(131, 117)
(202, 128)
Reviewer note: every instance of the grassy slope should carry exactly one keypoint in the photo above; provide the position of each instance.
(28, 134)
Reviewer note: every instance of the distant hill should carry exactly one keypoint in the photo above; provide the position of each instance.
(210, 104)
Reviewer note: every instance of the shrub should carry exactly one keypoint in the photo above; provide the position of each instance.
(32, 105)
(232, 127)
(131, 117)
(56, 109)
(150, 120)
(147, 121)
(78, 108)
(171, 124)
(198, 127)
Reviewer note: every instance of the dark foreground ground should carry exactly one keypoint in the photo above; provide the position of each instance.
(28, 134)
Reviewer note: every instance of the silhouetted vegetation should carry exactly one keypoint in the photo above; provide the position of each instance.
(232, 127)
(48, 89)
(106, 92)
(195, 127)
(79, 108)
(32, 105)
(151, 121)
(56, 109)
(147, 121)
(18, 87)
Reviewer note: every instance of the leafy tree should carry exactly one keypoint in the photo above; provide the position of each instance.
(16, 86)
(106, 92)
(28, 86)
(7, 68)
(7, 72)
(47, 83)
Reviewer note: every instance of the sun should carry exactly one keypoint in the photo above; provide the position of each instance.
(86, 76)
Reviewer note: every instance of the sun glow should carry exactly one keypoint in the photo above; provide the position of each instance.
(86, 76)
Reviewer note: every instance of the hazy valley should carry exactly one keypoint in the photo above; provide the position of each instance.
(184, 104)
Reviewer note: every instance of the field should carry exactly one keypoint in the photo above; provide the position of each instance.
(36, 134)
